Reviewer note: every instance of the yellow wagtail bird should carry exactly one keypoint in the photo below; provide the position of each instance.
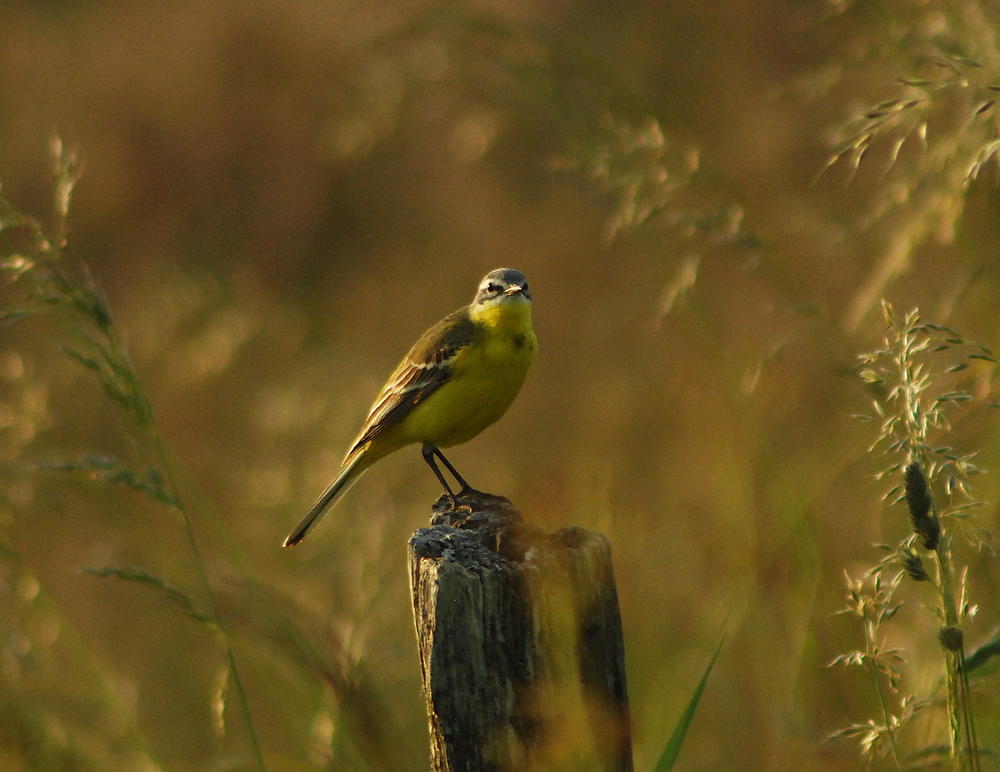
(459, 377)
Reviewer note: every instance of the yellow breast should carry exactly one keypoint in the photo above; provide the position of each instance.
(486, 377)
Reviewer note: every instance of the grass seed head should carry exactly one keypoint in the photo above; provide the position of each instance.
(918, 499)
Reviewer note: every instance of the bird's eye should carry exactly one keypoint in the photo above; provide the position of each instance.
(493, 288)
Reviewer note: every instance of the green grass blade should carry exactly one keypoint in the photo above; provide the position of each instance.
(673, 749)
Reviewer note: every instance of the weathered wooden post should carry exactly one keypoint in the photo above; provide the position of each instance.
(520, 644)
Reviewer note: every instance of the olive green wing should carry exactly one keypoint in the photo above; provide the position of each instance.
(426, 368)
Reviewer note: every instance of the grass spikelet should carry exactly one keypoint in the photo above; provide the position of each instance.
(918, 499)
(915, 389)
(48, 284)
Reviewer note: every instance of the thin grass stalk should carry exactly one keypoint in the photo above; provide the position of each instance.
(957, 680)
(83, 302)
(959, 713)
(217, 625)
(911, 410)
(970, 725)
(943, 561)
(871, 644)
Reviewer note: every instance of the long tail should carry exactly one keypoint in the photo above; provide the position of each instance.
(331, 496)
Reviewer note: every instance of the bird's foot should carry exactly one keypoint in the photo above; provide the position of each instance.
(461, 509)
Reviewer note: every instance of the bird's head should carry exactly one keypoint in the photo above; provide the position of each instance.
(502, 285)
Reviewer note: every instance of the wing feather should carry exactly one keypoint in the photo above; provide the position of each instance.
(425, 368)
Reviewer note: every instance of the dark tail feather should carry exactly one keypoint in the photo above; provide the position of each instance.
(330, 496)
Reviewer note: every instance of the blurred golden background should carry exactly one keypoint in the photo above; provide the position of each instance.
(279, 197)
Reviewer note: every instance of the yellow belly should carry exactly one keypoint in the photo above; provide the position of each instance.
(485, 380)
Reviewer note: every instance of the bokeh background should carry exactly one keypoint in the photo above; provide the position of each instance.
(278, 197)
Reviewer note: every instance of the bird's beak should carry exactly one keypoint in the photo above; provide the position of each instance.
(513, 290)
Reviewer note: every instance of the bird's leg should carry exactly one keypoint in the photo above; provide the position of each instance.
(466, 488)
(429, 452)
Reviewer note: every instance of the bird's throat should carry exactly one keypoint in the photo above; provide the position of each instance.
(511, 317)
